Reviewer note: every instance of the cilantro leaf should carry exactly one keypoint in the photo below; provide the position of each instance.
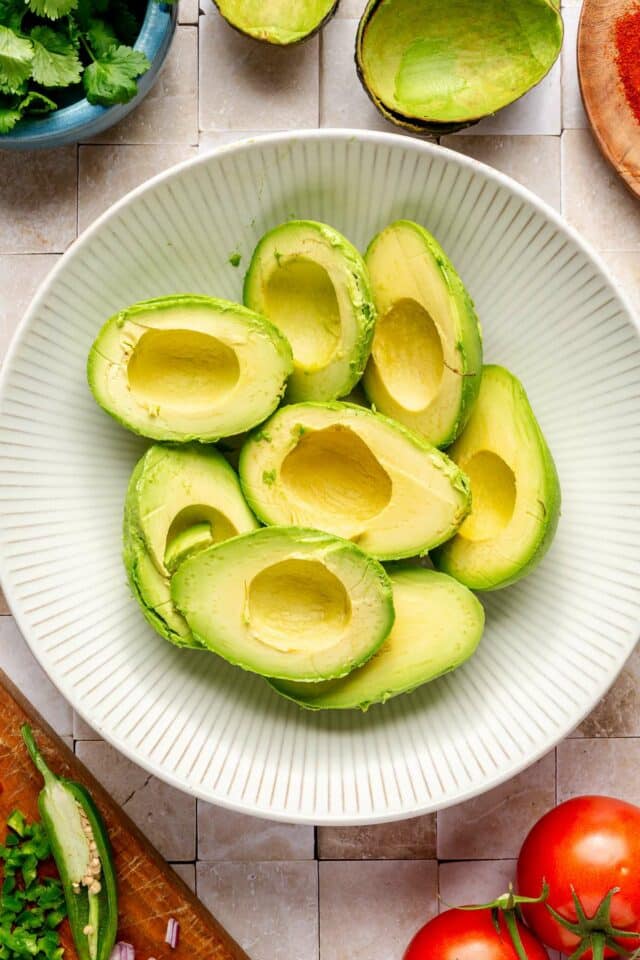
(112, 78)
(53, 9)
(9, 116)
(101, 37)
(16, 55)
(55, 59)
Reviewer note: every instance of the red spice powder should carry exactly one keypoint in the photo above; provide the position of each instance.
(628, 57)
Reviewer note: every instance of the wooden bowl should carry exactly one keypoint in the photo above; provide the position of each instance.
(615, 128)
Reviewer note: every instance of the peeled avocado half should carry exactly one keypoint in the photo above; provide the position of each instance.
(438, 626)
(286, 602)
(356, 474)
(514, 486)
(313, 285)
(280, 22)
(437, 67)
(426, 360)
(188, 367)
(180, 500)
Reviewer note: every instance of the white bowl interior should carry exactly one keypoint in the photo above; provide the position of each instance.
(553, 643)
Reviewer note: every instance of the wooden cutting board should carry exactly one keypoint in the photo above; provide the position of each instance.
(614, 126)
(149, 891)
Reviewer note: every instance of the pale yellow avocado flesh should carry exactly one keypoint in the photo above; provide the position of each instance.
(354, 474)
(514, 487)
(286, 602)
(313, 286)
(188, 367)
(276, 21)
(426, 357)
(438, 626)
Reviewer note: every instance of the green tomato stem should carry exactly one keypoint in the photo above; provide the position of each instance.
(514, 933)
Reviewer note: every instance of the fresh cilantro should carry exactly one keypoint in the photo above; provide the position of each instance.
(36, 102)
(12, 13)
(101, 37)
(55, 58)
(16, 56)
(53, 9)
(112, 78)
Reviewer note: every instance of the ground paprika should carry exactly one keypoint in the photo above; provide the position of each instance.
(628, 57)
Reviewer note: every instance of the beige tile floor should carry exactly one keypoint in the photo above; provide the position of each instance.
(288, 892)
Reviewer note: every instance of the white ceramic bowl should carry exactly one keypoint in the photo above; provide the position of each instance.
(553, 643)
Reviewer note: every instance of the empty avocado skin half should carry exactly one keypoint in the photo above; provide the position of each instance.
(438, 626)
(280, 22)
(312, 283)
(436, 67)
(514, 487)
(356, 474)
(188, 367)
(286, 602)
(180, 500)
(426, 361)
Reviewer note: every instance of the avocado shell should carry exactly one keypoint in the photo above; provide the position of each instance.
(272, 39)
(431, 125)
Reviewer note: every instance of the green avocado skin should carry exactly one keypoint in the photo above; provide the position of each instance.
(469, 345)
(231, 551)
(274, 37)
(359, 293)
(551, 499)
(431, 125)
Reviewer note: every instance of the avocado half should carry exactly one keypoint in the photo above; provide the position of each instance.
(436, 67)
(438, 626)
(514, 486)
(313, 285)
(286, 602)
(180, 500)
(280, 22)
(426, 360)
(183, 368)
(356, 474)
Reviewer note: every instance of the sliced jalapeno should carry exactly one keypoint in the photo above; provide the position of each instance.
(81, 850)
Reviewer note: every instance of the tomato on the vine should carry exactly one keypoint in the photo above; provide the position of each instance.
(583, 850)
(471, 935)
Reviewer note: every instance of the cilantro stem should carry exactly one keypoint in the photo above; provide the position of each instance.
(86, 46)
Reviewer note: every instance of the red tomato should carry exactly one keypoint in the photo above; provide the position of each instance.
(591, 844)
(469, 935)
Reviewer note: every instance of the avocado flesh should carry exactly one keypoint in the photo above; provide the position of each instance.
(438, 67)
(514, 486)
(313, 285)
(286, 602)
(180, 500)
(279, 22)
(356, 474)
(426, 361)
(438, 626)
(188, 367)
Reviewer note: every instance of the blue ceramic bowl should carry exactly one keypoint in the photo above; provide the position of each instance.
(81, 120)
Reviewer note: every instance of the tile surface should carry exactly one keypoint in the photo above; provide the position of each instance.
(225, 835)
(289, 892)
(38, 212)
(494, 825)
(165, 815)
(269, 908)
(407, 840)
(405, 893)
(20, 276)
(246, 85)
